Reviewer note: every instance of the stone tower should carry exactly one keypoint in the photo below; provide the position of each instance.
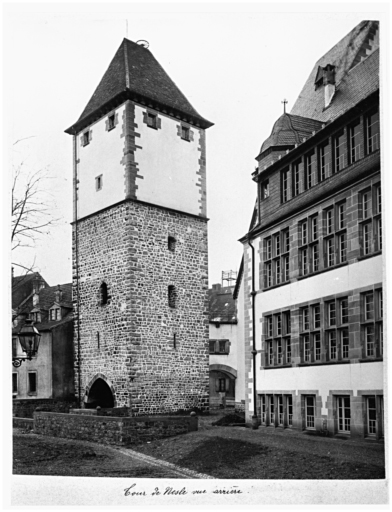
(140, 263)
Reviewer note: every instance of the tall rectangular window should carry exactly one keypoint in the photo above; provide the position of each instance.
(317, 346)
(354, 137)
(342, 248)
(331, 314)
(316, 316)
(369, 340)
(32, 382)
(315, 257)
(324, 161)
(344, 343)
(343, 303)
(310, 170)
(330, 252)
(15, 383)
(306, 347)
(265, 192)
(305, 319)
(339, 152)
(296, 179)
(289, 405)
(344, 413)
(332, 345)
(310, 409)
(285, 185)
(329, 221)
(373, 132)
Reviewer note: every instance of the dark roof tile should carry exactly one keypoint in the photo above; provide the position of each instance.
(135, 70)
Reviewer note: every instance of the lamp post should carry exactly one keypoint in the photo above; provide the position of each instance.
(29, 339)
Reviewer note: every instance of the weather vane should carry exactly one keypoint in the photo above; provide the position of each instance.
(284, 105)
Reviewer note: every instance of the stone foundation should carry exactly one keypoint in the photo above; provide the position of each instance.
(119, 431)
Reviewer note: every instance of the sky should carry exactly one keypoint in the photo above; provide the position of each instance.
(234, 62)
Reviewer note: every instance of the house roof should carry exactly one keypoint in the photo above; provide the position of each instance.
(289, 130)
(222, 307)
(136, 72)
(355, 58)
(47, 296)
(22, 287)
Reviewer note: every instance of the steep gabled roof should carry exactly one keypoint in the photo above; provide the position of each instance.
(22, 287)
(135, 73)
(47, 296)
(355, 59)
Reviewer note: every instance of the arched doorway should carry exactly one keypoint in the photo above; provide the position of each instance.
(222, 386)
(100, 395)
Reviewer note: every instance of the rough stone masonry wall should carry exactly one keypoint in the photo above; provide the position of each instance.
(113, 431)
(126, 246)
(24, 408)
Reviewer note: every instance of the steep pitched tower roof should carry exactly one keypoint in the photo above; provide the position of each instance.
(135, 74)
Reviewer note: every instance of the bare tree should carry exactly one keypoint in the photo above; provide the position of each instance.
(32, 207)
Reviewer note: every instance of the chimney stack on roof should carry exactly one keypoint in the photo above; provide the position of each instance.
(58, 294)
(329, 83)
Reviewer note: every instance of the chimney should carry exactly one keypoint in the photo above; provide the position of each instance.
(329, 84)
(58, 294)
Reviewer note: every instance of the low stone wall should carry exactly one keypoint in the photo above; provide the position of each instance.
(24, 408)
(121, 431)
(25, 423)
(99, 411)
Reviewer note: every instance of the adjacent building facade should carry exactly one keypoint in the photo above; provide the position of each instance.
(227, 379)
(317, 261)
(50, 374)
(140, 263)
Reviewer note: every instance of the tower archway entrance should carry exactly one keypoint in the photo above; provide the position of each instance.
(100, 395)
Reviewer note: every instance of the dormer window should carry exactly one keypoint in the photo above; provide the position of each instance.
(55, 314)
(151, 120)
(36, 317)
(264, 189)
(86, 138)
(111, 124)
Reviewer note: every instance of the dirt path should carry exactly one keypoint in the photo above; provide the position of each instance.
(42, 455)
(211, 452)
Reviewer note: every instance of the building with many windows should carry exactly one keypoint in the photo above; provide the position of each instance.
(313, 256)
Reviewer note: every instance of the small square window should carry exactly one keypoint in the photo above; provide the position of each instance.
(111, 124)
(152, 122)
(184, 133)
(98, 182)
(86, 138)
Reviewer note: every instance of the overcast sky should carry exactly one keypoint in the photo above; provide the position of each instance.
(235, 67)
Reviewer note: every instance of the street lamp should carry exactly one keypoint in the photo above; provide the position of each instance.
(29, 338)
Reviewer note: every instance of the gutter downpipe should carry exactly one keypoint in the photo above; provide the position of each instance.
(77, 264)
(255, 423)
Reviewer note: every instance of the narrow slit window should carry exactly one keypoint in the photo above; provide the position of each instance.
(103, 290)
(172, 295)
